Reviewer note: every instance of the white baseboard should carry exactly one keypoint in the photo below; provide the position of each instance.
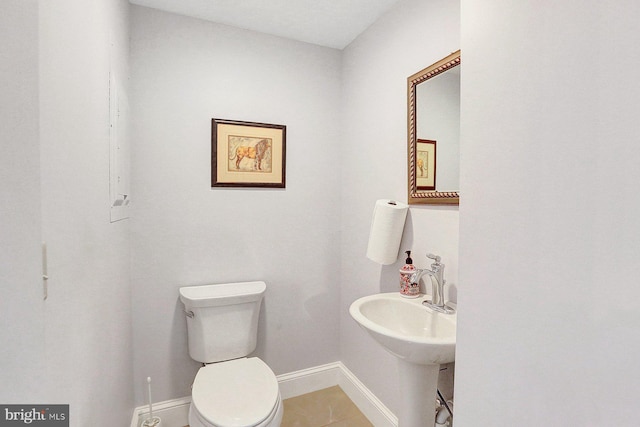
(174, 413)
(309, 380)
(365, 400)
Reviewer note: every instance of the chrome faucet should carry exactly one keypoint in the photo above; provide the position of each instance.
(436, 274)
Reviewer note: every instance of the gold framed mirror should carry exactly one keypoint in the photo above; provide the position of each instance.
(433, 125)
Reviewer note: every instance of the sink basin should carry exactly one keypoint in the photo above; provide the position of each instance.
(406, 328)
(421, 338)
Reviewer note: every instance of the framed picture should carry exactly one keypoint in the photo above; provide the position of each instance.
(425, 172)
(247, 154)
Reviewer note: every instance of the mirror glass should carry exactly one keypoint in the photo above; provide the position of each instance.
(434, 133)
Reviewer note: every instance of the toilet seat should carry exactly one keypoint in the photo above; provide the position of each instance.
(274, 420)
(237, 393)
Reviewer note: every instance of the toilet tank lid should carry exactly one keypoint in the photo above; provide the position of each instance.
(223, 293)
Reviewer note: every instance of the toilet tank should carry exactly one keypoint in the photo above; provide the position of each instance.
(222, 319)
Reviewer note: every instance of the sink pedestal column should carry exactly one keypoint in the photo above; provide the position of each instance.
(418, 389)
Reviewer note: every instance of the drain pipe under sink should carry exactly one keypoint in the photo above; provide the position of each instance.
(442, 417)
(443, 412)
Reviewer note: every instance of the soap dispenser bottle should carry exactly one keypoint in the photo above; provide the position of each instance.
(408, 289)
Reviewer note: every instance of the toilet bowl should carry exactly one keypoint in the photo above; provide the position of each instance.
(238, 393)
(231, 389)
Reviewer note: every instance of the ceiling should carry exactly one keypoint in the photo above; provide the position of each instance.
(331, 23)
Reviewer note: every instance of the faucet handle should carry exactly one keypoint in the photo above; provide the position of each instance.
(434, 257)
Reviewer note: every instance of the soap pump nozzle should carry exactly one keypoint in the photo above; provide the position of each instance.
(408, 260)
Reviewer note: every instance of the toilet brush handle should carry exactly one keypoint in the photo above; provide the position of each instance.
(150, 407)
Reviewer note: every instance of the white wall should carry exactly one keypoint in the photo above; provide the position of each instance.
(21, 305)
(184, 73)
(87, 345)
(412, 36)
(550, 218)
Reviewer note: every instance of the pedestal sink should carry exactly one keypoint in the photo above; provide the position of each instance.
(420, 338)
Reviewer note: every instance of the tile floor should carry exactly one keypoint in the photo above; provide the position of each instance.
(327, 407)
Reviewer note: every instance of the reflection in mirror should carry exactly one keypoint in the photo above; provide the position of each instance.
(438, 119)
(434, 133)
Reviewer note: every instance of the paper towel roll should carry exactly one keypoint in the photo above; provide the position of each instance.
(386, 231)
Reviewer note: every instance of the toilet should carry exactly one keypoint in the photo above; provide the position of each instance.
(230, 389)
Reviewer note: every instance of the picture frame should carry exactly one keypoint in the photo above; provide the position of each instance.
(247, 154)
(425, 164)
